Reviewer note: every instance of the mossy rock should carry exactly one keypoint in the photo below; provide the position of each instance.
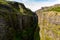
(20, 22)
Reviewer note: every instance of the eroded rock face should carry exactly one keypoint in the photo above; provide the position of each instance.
(2, 27)
(17, 22)
(49, 23)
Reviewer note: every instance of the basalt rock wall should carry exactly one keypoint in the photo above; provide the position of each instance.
(17, 22)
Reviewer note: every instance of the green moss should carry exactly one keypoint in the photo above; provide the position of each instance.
(55, 9)
(36, 34)
(48, 38)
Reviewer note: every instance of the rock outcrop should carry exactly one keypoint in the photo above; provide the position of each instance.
(17, 22)
(49, 22)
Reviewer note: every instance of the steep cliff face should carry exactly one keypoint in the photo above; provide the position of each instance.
(49, 22)
(17, 22)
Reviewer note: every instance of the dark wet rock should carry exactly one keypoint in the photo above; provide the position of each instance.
(17, 22)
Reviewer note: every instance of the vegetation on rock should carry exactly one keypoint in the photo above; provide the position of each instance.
(20, 23)
(49, 22)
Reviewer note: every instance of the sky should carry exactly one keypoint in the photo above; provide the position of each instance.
(37, 4)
